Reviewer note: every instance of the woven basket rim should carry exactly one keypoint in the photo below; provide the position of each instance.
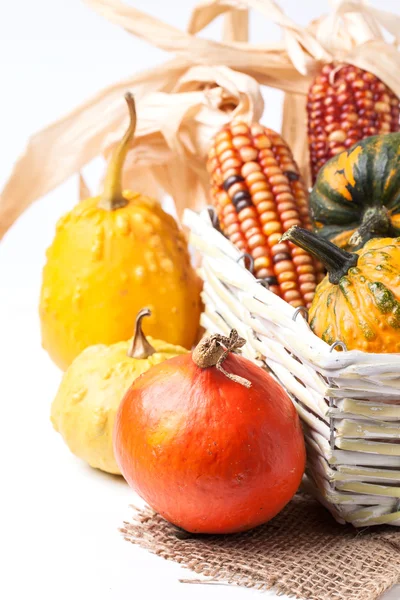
(196, 222)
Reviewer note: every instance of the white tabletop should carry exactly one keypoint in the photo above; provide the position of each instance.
(59, 519)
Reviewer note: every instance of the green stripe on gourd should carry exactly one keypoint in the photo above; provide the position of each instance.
(358, 302)
(357, 193)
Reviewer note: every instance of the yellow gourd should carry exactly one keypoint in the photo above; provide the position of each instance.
(358, 302)
(91, 390)
(111, 255)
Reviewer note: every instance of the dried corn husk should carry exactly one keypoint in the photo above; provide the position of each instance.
(182, 103)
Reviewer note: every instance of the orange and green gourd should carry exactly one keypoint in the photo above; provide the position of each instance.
(358, 302)
(112, 255)
(357, 193)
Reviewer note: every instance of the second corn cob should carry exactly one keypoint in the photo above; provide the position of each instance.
(258, 195)
(345, 105)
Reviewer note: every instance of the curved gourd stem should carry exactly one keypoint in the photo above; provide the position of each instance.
(141, 347)
(213, 350)
(336, 261)
(375, 223)
(112, 197)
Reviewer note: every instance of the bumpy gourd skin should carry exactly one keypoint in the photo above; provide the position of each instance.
(363, 310)
(91, 390)
(104, 266)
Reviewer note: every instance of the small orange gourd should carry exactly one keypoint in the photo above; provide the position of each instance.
(111, 256)
(212, 447)
(358, 302)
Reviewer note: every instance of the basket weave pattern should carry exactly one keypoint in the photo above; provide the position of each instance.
(349, 402)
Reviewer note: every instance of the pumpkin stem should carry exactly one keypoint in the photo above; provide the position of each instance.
(141, 347)
(336, 261)
(375, 223)
(213, 350)
(112, 197)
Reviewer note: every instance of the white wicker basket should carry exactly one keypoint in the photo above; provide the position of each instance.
(349, 402)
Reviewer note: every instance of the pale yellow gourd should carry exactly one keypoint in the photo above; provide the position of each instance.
(91, 390)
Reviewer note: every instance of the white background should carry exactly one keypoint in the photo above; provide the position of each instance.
(59, 518)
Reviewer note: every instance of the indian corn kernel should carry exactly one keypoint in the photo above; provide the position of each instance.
(258, 195)
(345, 105)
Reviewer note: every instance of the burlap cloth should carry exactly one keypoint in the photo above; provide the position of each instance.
(302, 552)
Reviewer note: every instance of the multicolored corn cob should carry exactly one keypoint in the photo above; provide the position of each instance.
(345, 105)
(258, 195)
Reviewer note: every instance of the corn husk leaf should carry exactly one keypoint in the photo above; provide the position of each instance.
(182, 103)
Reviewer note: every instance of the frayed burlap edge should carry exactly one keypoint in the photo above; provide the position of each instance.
(302, 553)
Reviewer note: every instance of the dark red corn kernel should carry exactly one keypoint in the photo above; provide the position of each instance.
(242, 205)
(231, 180)
(291, 175)
(271, 280)
(281, 256)
(346, 93)
(241, 195)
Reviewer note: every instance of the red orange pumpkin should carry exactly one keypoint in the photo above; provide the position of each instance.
(210, 451)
